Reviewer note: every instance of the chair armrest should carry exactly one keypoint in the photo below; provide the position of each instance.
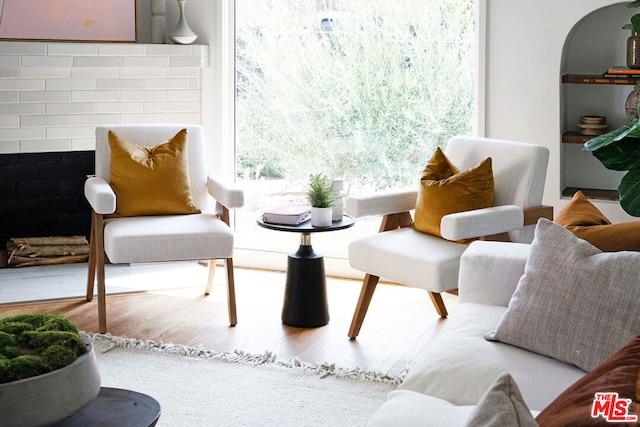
(481, 222)
(490, 271)
(381, 203)
(227, 193)
(100, 195)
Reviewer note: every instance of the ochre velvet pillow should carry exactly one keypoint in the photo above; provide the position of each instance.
(151, 180)
(620, 374)
(445, 190)
(586, 221)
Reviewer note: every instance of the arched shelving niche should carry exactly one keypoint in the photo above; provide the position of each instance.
(594, 44)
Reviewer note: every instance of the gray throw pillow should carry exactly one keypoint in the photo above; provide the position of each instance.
(574, 303)
(501, 405)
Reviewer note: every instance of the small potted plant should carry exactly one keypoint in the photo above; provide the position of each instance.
(48, 370)
(322, 199)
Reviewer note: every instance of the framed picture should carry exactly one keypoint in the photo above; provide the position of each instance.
(68, 20)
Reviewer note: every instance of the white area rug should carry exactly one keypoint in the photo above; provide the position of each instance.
(196, 387)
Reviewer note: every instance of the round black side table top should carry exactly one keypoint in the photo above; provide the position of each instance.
(115, 407)
(306, 226)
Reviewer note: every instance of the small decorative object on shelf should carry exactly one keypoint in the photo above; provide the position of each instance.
(182, 34)
(158, 21)
(593, 125)
(633, 42)
(631, 104)
(322, 200)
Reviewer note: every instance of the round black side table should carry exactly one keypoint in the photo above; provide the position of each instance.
(305, 296)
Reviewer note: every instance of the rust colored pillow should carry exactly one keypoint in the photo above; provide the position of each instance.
(445, 190)
(620, 374)
(586, 221)
(151, 180)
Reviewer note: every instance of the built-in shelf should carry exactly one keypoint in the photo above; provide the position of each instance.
(592, 193)
(575, 137)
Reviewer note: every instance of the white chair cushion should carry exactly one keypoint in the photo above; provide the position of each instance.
(154, 238)
(409, 257)
(461, 364)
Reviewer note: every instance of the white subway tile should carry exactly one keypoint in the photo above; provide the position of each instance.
(187, 61)
(119, 83)
(94, 95)
(45, 72)
(72, 49)
(94, 119)
(9, 147)
(38, 121)
(145, 73)
(169, 50)
(21, 84)
(95, 73)
(143, 95)
(128, 49)
(71, 84)
(97, 61)
(71, 132)
(119, 107)
(183, 95)
(145, 61)
(144, 118)
(83, 144)
(185, 117)
(9, 121)
(8, 71)
(167, 84)
(44, 145)
(70, 107)
(45, 96)
(21, 133)
(13, 109)
(22, 48)
(9, 96)
(169, 107)
(188, 72)
(46, 61)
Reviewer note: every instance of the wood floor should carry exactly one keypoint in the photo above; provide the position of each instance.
(400, 322)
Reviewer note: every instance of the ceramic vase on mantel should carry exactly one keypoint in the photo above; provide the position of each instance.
(182, 34)
(158, 21)
(633, 50)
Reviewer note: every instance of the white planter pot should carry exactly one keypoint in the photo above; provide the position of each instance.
(321, 217)
(51, 397)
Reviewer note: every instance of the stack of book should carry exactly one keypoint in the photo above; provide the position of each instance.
(287, 214)
(622, 72)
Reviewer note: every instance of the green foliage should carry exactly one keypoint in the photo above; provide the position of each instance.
(319, 192)
(619, 150)
(368, 100)
(34, 344)
(634, 23)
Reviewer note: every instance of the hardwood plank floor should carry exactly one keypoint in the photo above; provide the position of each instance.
(399, 324)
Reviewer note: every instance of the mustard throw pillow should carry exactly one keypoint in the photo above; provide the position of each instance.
(586, 221)
(445, 190)
(151, 180)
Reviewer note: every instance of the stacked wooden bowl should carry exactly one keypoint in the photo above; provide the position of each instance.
(593, 125)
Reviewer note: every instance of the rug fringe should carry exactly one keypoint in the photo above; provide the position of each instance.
(107, 342)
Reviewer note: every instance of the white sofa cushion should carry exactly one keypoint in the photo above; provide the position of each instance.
(460, 365)
(410, 409)
(574, 302)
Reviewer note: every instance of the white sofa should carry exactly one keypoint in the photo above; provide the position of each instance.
(448, 379)
(531, 321)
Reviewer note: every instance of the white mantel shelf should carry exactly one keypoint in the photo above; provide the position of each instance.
(118, 55)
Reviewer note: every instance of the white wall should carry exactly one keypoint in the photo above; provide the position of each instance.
(524, 57)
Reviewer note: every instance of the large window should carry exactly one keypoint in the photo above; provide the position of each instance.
(363, 90)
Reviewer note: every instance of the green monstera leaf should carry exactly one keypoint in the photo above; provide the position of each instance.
(619, 150)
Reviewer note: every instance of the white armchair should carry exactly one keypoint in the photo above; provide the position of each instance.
(403, 255)
(135, 239)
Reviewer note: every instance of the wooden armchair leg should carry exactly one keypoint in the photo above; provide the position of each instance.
(212, 273)
(99, 257)
(231, 291)
(436, 299)
(368, 287)
(91, 274)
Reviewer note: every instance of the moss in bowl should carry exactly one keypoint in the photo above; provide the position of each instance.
(35, 344)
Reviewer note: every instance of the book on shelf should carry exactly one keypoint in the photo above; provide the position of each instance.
(287, 214)
(623, 71)
(622, 76)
